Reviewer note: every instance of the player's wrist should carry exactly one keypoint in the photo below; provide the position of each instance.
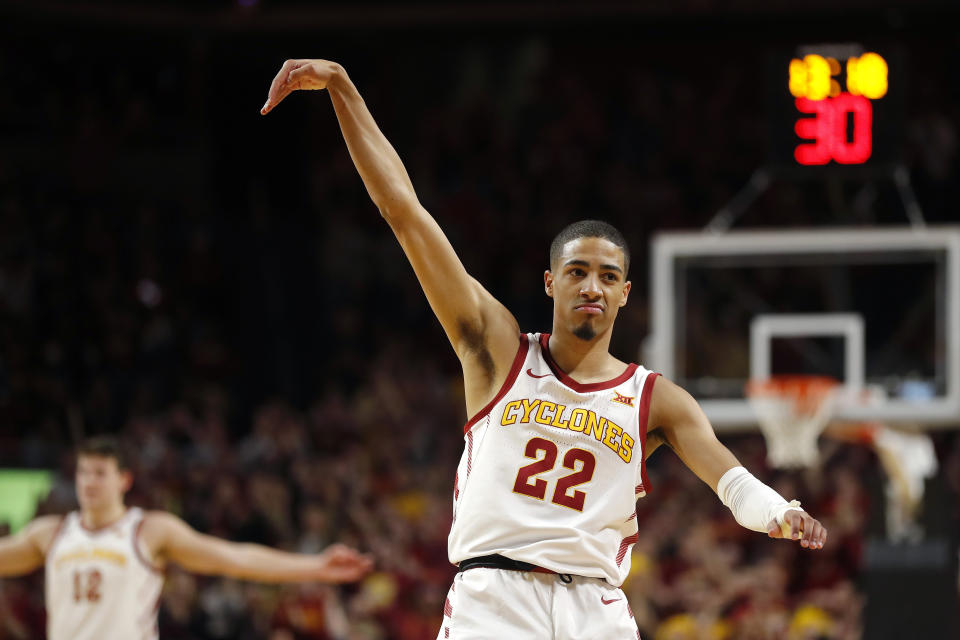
(753, 503)
(339, 79)
(781, 513)
(319, 566)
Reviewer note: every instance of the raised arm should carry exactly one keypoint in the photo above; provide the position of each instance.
(481, 330)
(170, 539)
(677, 421)
(25, 552)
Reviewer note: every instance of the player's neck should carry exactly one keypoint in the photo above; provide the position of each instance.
(584, 360)
(100, 518)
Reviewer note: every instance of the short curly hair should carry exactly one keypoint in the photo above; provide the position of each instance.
(589, 229)
(104, 447)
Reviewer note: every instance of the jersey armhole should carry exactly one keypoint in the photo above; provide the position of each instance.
(138, 550)
(511, 378)
(643, 418)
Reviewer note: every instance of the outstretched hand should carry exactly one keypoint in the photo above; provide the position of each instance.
(340, 563)
(299, 75)
(799, 525)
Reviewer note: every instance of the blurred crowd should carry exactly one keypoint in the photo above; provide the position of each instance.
(218, 290)
(374, 470)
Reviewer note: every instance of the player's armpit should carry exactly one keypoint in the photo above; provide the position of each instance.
(482, 332)
(688, 432)
(25, 551)
(655, 438)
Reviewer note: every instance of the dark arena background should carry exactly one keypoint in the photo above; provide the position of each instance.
(216, 288)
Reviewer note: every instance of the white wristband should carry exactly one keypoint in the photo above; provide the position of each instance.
(752, 503)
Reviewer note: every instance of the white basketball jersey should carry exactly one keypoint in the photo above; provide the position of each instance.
(99, 586)
(552, 469)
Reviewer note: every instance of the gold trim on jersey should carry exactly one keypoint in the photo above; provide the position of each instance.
(115, 557)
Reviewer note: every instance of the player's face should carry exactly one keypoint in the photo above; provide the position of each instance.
(588, 285)
(100, 482)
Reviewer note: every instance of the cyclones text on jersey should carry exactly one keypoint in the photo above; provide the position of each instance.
(584, 421)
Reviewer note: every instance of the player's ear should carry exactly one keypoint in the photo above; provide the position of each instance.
(548, 282)
(626, 292)
(126, 480)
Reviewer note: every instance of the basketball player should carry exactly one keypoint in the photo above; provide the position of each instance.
(104, 563)
(545, 495)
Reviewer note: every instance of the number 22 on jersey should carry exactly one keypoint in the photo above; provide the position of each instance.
(562, 492)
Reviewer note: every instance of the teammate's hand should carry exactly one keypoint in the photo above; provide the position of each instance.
(799, 525)
(299, 75)
(340, 563)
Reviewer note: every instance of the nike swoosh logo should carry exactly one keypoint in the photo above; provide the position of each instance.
(608, 601)
(532, 375)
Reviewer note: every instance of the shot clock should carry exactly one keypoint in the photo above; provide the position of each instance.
(835, 105)
(834, 114)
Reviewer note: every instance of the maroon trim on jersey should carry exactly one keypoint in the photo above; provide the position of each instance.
(625, 545)
(139, 552)
(104, 528)
(573, 384)
(643, 419)
(511, 378)
(469, 452)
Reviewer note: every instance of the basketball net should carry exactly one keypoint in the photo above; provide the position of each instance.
(792, 411)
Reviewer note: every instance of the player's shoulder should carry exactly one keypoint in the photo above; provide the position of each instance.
(669, 403)
(668, 390)
(159, 528)
(155, 519)
(46, 523)
(41, 531)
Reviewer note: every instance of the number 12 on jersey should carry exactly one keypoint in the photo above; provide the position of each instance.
(86, 585)
(561, 493)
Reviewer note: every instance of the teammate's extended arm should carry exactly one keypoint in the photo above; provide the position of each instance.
(481, 330)
(683, 427)
(173, 540)
(24, 552)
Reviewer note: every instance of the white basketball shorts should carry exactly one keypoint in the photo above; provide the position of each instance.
(500, 604)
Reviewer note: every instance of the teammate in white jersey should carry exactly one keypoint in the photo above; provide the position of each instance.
(104, 563)
(545, 494)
